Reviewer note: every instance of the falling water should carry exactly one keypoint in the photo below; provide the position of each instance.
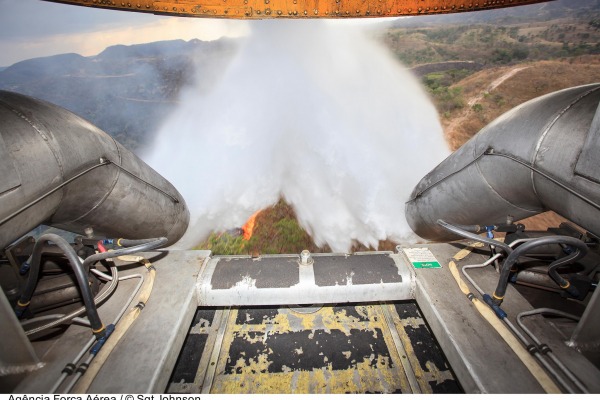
(312, 112)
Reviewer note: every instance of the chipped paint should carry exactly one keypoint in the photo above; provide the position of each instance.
(246, 282)
(342, 349)
(358, 368)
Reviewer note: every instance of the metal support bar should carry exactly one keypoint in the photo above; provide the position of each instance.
(283, 280)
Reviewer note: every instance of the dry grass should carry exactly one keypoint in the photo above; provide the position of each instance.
(537, 79)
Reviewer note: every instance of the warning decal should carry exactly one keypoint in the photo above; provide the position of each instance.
(422, 258)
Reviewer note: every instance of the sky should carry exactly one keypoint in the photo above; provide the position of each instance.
(35, 28)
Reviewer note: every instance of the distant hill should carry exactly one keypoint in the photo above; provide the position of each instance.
(542, 12)
(554, 30)
(125, 90)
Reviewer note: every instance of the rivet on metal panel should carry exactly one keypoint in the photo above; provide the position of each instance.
(278, 12)
(266, 1)
(268, 11)
(368, 12)
(295, 12)
(305, 12)
(316, 11)
(258, 12)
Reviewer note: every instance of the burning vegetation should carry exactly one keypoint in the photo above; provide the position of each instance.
(248, 227)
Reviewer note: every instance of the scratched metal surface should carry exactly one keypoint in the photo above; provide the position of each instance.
(338, 349)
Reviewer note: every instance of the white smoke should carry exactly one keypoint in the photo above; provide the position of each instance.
(312, 112)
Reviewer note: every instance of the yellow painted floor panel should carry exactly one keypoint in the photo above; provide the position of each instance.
(354, 348)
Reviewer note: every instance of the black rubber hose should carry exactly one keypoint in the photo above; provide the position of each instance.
(471, 228)
(461, 232)
(581, 250)
(564, 284)
(148, 244)
(80, 275)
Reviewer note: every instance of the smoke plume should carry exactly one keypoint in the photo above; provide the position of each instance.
(312, 112)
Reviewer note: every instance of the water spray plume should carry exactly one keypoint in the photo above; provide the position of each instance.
(312, 112)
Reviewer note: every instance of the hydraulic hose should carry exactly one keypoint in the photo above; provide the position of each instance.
(71, 367)
(473, 236)
(120, 330)
(580, 251)
(80, 274)
(540, 375)
(146, 245)
(532, 350)
(562, 282)
(98, 300)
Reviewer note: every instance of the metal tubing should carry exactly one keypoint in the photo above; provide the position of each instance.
(540, 358)
(538, 343)
(64, 375)
(516, 332)
(98, 300)
(453, 228)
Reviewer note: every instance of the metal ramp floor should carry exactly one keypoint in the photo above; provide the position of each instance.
(351, 348)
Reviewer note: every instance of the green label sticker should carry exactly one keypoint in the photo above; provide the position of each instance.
(422, 257)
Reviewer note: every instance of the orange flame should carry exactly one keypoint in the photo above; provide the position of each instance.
(248, 227)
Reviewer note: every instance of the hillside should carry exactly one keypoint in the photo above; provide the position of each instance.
(125, 90)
